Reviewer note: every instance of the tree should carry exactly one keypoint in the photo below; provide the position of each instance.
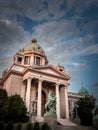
(85, 107)
(12, 108)
(4, 104)
(17, 109)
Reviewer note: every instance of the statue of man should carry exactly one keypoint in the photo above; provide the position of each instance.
(50, 104)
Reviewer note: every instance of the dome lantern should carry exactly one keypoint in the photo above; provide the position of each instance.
(34, 40)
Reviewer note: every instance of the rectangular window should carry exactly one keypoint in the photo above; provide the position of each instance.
(19, 60)
(37, 60)
(26, 60)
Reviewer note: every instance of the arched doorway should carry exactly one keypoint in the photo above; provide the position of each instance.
(43, 103)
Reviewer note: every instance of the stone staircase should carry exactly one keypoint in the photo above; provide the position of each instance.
(59, 127)
(64, 124)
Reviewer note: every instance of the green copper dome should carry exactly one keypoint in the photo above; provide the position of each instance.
(33, 46)
(83, 91)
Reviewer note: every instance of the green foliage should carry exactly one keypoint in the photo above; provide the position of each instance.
(1, 125)
(36, 126)
(17, 110)
(85, 107)
(19, 126)
(45, 126)
(3, 95)
(10, 125)
(29, 126)
(4, 103)
(12, 108)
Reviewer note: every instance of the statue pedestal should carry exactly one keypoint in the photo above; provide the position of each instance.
(32, 119)
(51, 120)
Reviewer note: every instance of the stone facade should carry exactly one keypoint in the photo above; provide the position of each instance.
(33, 78)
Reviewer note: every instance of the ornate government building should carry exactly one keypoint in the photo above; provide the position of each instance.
(33, 78)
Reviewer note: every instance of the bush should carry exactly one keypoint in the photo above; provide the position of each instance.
(19, 126)
(17, 109)
(1, 125)
(10, 125)
(84, 110)
(36, 126)
(45, 126)
(29, 126)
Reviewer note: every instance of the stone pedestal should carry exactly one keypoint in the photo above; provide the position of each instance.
(51, 120)
(33, 117)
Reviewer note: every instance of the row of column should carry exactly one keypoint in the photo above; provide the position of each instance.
(27, 100)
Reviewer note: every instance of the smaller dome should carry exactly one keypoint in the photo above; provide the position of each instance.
(83, 91)
(20, 52)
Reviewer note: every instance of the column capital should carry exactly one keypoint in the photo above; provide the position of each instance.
(29, 78)
(66, 85)
(40, 79)
(57, 83)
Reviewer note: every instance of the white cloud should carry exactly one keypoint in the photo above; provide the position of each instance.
(92, 49)
(12, 38)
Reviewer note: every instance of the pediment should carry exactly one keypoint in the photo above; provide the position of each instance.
(52, 71)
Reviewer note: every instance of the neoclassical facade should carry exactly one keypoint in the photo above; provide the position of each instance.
(33, 78)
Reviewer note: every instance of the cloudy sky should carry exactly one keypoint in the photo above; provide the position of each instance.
(66, 29)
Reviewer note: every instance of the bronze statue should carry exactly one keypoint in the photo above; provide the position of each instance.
(50, 104)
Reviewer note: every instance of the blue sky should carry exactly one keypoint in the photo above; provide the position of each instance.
(66, 29)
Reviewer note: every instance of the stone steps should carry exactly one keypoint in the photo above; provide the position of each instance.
(66, 122)
(59, 127)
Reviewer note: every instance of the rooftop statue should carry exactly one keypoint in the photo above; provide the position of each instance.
(50, 104)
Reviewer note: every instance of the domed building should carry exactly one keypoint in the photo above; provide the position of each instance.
(83, 91)
(33, 78)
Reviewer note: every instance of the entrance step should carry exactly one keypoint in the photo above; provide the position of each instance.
(66, 122)
(59, 127)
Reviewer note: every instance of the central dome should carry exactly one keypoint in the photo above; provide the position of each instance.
(33, 45)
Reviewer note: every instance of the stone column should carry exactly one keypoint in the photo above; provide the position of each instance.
(66, 103)
(28, 93)
(23, 90)
(57, 100)
(39, 98)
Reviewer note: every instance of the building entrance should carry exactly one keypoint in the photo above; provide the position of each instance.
(43, 103)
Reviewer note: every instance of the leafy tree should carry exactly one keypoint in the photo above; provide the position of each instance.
(3, 95)
(29, 126)
(17, 109)
(36, 126)
(4, 104)
(1, 125)
(12, 108)
(19, 126)
(45, 127)
(85, 107)
(10, 125)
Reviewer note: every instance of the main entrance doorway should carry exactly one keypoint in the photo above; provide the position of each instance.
(43, 103)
